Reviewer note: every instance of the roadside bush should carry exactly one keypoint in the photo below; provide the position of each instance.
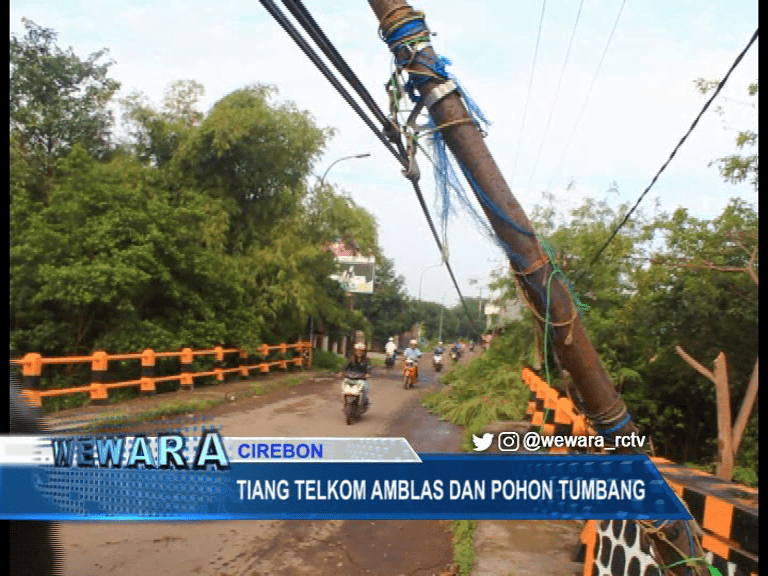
(488, 388)
(325, 360)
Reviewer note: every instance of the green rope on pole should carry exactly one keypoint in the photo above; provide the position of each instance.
(550, 252)
(712, 570)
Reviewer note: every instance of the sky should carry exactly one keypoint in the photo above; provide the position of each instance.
(548, 129)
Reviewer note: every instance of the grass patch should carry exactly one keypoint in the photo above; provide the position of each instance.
(325, 360)
(480, 392)
(464, 545)
(488, 388)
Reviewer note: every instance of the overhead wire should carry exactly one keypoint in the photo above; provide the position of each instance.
(586, 100)
(302, 15)
(528, 97)
(557, 92)
(679, 144)
(314, 31)
(310, 53)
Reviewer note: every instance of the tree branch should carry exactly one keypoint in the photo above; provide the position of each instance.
(698, 367)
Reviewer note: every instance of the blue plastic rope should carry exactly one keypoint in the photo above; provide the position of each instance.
(407, 29)
(606, 432)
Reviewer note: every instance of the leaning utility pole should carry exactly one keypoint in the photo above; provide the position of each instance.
(572, 346)
(571, 343)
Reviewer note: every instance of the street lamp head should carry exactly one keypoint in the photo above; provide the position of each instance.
(365, 155)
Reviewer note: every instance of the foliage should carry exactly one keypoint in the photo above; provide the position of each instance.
(438, 321)
(255, 156)
(57, 99)
(463, 532)
(736, 168)
(107, 262)
(333, 217)
(198, 230)
(488, 388)
(470, 321)
(326, 360)
(155, 135)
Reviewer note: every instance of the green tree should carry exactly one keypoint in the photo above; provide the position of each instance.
(430, 313)
(108, 261)
(736, 168)
(256, 156)
(155, 135)
(57, 99)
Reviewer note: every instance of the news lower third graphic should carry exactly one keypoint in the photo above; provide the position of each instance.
(210, 477)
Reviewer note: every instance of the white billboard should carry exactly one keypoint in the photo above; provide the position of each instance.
(356, 273)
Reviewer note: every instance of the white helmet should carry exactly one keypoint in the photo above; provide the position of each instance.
(391, 339)
(413, 342)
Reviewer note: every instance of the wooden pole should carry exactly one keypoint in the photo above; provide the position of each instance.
(572, 346)
(725, 455)
(746, 409)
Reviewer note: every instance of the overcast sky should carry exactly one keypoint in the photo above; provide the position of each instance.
(643, 99)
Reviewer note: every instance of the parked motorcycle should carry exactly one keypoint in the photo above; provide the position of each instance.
(437, 362)
(352, 393)
(409, 373)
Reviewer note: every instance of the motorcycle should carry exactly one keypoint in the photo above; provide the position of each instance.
(454, 356)
(389, 361)
(437, 362)
(409, 373)
(471, 346)
(352, 393)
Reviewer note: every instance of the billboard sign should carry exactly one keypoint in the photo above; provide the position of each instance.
(356, 273)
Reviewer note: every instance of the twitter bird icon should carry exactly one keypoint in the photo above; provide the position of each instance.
(482, 443)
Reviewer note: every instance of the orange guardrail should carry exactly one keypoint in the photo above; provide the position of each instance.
(32, 368)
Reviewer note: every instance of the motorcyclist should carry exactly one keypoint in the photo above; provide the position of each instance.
(413, 353)
(390, 348)
(359, 365)
(440, 350)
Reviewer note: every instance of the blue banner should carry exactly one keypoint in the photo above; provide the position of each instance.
(439, 486)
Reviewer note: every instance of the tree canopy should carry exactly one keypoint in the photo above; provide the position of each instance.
(198, 228)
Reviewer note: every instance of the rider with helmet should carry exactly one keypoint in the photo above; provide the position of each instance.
(390, 348)
(413, 353)
(361, 365)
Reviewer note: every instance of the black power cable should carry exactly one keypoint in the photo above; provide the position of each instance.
(679, 144)
(319, 37)
(528, 97)
(296, 37)
(297, 9)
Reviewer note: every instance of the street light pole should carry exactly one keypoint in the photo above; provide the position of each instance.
(339, 160)
(442, 309)
(322, 180)
(422, 276)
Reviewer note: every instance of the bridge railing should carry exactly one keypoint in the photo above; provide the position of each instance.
(726, 512)
(32, 369)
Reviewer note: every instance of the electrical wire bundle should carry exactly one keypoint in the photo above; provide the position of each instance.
(388, 133)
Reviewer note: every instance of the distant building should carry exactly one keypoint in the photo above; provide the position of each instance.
(503, 312)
